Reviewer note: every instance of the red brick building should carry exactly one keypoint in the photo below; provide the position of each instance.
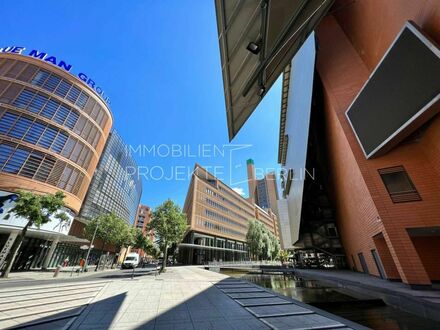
(404, 233)
(143, 218)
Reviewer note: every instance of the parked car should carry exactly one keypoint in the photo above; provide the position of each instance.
(132, 260)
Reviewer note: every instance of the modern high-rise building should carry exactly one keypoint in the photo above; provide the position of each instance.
(264, 191)
(53, 128)
(116, 187)
(218, 221)
(143, 218)
(361, 121)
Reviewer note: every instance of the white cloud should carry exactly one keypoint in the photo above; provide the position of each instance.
(239, 190)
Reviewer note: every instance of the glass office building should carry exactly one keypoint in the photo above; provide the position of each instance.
(116, 187)
(53, 128)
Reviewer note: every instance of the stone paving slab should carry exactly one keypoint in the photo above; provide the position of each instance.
(235, 286)
(245, 295)
(262, 302)
(243, 290)
(278, 310)
(309, 321)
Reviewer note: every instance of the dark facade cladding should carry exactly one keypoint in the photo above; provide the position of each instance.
(116, 187)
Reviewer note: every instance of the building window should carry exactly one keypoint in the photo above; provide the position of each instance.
(399, 185)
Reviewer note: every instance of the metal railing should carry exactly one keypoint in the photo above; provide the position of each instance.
(247, 263)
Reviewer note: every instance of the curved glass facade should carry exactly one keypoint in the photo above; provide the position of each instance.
(116, 187)
(52, 129)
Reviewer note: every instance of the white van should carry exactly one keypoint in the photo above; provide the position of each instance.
(131, 261)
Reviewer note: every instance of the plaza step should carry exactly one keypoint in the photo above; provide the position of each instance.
(49, 290)
(52, 285)
(45, 303)
(45, 295)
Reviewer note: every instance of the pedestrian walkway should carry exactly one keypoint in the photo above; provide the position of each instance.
(38, 304)
(65, 273)
(425, 303)
(193, 298)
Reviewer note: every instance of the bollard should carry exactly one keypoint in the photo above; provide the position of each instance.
(57, 270)
(132, 274)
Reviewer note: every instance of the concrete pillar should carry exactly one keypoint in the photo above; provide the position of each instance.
(50, 253)
(7, 247)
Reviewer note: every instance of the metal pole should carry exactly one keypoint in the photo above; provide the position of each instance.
(90, 247)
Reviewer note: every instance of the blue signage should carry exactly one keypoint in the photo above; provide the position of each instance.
(59, 63)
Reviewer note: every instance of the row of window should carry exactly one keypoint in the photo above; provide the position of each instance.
(212, 226)
(224, 199)
(54, 84)
(226, 210)
(215, 216)
(49, 108)
(44, 135)
(38, 166)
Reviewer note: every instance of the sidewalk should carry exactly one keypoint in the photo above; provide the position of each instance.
(65, 272)
(424, 303)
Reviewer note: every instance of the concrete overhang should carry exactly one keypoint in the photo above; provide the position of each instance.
(258, 38)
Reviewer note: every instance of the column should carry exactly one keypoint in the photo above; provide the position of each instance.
(50, 253)
(7, 247)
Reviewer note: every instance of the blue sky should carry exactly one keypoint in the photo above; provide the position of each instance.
(159, 63)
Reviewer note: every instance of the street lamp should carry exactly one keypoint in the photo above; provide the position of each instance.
(91, 245)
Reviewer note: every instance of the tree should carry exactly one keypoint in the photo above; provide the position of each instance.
(169, 224)
(261, 242)
(284, 256)
(110, 229)
(275, 246)
(37, 210)
(267, 245)
(254, 238)
(141, 241)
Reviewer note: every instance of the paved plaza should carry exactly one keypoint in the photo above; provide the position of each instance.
(182, 298)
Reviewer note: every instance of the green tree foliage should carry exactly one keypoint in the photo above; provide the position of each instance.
(254, 238)
(169, 224)
(141, 241)
(110, 229)
(275, 246)
(261, 242)
(284, 256)
(37, 210)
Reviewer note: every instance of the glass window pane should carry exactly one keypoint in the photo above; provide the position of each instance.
(7, 121)
(71, 119)
(47, 138)
(40, 78)
(38, 103)
(24, 99)
(68, 147)
(50, 109)
(20, 127)
(63, 88)
(16, 161)
(397, 182)
(73, 94)
(33, 135)
(59, 142)
(5, 151)
(82, 100)
(51, 83)
(61, 115)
